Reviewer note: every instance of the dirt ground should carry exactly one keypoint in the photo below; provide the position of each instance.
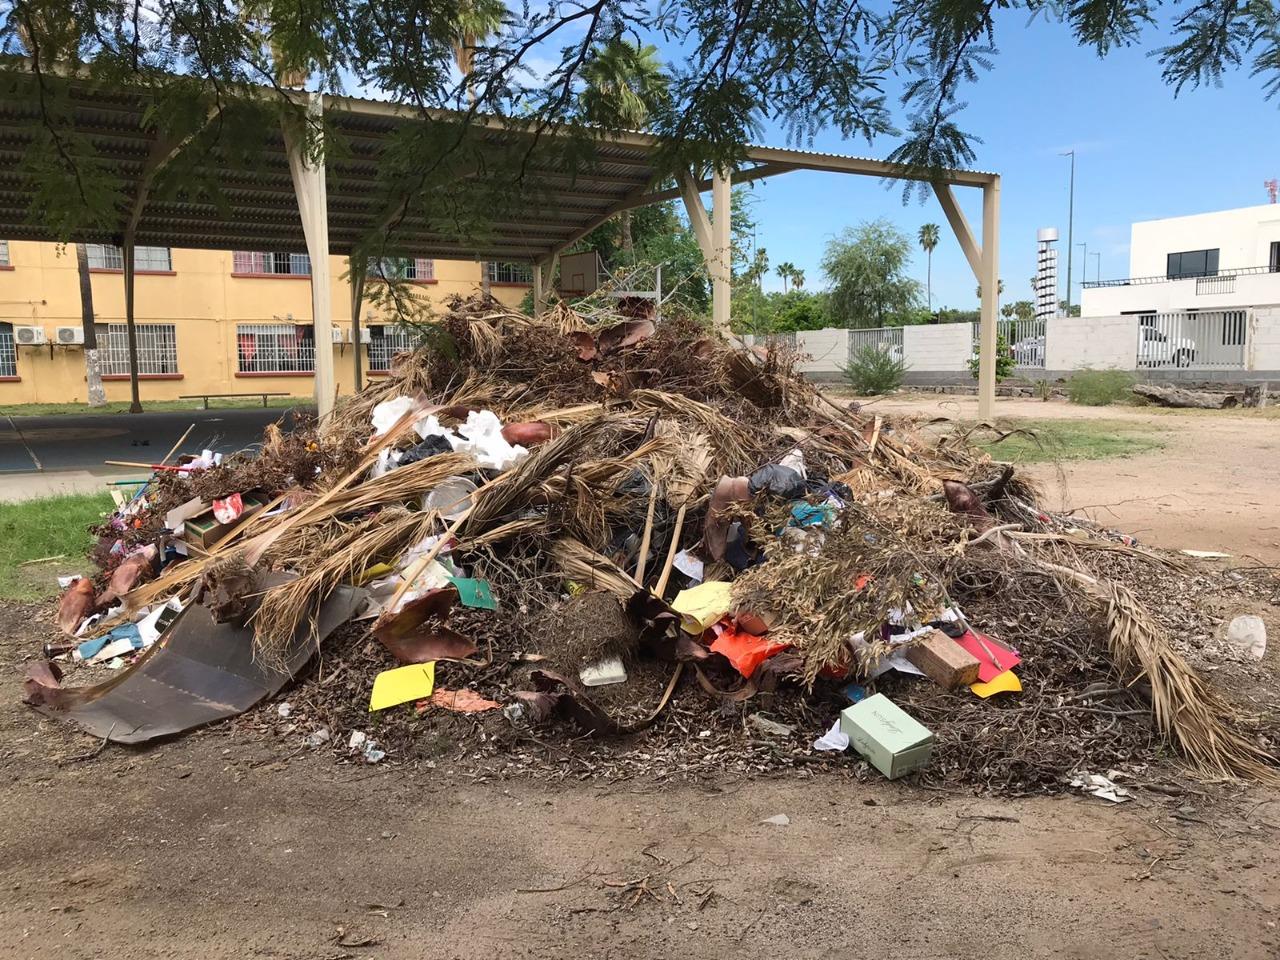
(1214, 485)
(224, 844)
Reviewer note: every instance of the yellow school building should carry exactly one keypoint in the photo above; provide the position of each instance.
(208, 321)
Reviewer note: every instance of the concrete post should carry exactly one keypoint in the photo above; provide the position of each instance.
(990, 297)
(313, 206)
(539, 295)
(720, 264)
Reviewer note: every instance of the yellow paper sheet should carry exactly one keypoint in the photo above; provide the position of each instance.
(701, 606)
(1006, 682)
(402, 684)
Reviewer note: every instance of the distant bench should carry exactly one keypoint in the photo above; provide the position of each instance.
(205, 396)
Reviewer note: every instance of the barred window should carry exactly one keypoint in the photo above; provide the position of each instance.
(157, 348)
(8, 355)
(385, 342)
(402, 268)
(509, 272)
(257, 263)
(104, 256)
(4, 259)
(275, 348)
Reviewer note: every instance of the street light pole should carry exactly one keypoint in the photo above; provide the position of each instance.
(1097, 275)
(1071, 220)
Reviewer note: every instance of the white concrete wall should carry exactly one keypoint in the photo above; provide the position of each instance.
(1264, 340)
(941, 347)
(823, 350)
(1243, 237)
(1178, 295)
(1095, 343)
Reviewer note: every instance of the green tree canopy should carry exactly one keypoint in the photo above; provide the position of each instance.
(867, 269)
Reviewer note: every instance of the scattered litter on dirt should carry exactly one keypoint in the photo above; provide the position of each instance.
(605, 545)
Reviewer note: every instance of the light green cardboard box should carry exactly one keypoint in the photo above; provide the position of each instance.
(893, 742)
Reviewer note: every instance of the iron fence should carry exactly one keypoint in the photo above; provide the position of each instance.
(275, 348)
(1211, 339)
(387, 341)
(8, 353)
(883, 339)
(1026, 340)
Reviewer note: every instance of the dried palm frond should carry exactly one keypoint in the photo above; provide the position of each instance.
(730, 440)
(284, 609)
(1187, 710)
(580, 563)
(400, 485)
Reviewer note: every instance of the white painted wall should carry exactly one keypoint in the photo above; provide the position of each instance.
(941, 347)
(1173, 296)
(1243, 236)
(1264, 340)
(1095, 343)
(826, 350)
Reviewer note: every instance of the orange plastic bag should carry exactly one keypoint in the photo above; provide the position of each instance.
(744, 650)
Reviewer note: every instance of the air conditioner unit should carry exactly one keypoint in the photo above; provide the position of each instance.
(70, 335)
(338, 335)
(366, 336)
(28, 336)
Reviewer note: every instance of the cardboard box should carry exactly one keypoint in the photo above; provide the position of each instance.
(893, 742)
(204, 530)
(944, 661)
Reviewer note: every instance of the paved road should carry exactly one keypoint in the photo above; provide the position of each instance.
(84, 442)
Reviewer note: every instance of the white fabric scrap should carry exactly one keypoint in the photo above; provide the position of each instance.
(483, 431)
(1102, 787)
(833, 740)
(689, 565)
(795, 461)
(389, 412)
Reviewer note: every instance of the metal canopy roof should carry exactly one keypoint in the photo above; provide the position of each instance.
(261, 209)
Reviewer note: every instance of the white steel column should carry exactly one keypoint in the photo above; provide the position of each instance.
(720, 265)
(313, 206)
(990, 281)
(539, 297)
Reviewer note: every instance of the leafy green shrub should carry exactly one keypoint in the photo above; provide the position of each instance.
(1004, 361)
(1100, 388)
(872, 371)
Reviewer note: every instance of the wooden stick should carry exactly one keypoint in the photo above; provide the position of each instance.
(141, 466)
(174, 448)
(648, 533)
(56, 556)
(671, 551)
(422, 562)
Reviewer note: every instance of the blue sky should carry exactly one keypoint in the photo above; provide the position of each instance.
(1140, 154)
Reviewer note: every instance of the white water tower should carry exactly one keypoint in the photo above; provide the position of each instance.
(1046, 273)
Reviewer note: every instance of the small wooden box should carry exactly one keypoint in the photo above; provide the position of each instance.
(944, 661)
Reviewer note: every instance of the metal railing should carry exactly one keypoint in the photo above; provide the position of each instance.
(275, 348)
(884, 339)
(1026, 340)
(8, 352)
(157, 348)
(1210, 285)
(1213, 339)
(387, 341)
(1141, 281)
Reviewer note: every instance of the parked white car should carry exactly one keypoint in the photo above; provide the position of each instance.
(1159, 349)
(1029, 352)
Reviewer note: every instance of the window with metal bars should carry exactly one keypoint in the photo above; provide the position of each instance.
(385, 342)
(157, 348)
(270, 264)
(275, 348)
(8, 353)
(104, 256)
(402, 268)
(509, 272)
(4, 256)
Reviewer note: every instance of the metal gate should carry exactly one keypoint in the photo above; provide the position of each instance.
(884, 339)
(1203, 339)
(1025, 338)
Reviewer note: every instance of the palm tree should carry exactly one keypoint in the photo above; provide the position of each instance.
(625, 83)
(787, 271)
(928, 238)
(797, 278)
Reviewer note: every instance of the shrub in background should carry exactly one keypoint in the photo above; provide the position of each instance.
(1004, 361)
(1100, 388)
(872, 371)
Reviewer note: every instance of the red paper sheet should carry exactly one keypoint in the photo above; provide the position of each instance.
(1006, 659)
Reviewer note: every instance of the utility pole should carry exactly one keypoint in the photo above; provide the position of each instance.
(1084, 270)
(1097, 274)
(1071, 215)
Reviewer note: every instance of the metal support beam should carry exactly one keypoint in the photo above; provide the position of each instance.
(990, 280)
(960, 227)
(720, 265)
(313, 202)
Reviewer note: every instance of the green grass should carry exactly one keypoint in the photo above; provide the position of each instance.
(46, 528)
(1072, 440)
(1101, 388)
(149, 406)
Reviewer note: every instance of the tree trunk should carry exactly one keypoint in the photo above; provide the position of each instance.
(135, 400)
(628, 245)
(358, 272)
(97, 396)
(1176, 397)
(484, 279)
(928, 277)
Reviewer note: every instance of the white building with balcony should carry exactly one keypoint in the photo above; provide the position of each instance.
(1225, 260)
